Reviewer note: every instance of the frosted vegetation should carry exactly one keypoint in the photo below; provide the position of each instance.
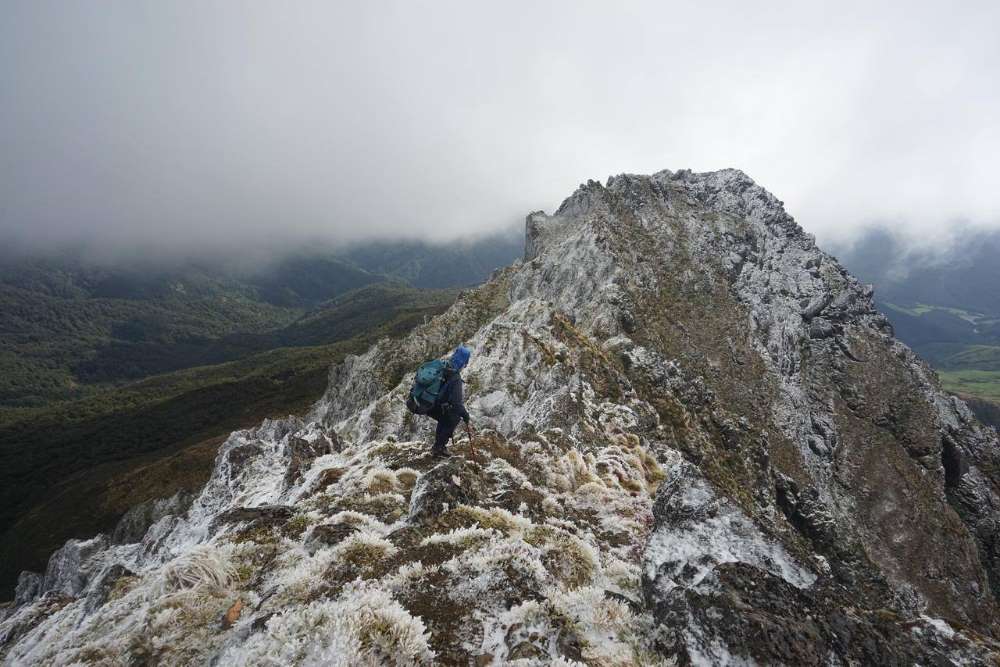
(654, 451)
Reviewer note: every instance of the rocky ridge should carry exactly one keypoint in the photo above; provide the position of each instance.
(699, 443)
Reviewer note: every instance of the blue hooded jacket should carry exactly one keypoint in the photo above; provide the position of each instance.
(451, 395)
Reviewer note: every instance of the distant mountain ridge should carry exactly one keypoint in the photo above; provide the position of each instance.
(944, 302)
(459, 263)
(937, 295)
(69, 325)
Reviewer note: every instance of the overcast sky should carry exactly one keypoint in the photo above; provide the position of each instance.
(196, 124)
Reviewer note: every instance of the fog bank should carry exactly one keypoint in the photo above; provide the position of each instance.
(188, 126)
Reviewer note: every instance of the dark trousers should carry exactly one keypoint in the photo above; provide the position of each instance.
(447, 421)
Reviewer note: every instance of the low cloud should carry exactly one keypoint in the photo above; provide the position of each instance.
(232, 126)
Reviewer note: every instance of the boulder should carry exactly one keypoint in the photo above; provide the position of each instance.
(258, 516)
(447, 485)
(133, 525)
(99, 592)
(302, 452)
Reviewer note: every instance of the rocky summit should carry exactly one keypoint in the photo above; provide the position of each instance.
(699, 443)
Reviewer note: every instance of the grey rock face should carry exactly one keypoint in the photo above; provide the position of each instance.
(446, 485)
(99, 592)
(744, 615)
(29, 587)
(302, 453)
(70, 567)
(697, 531)
(133, 526)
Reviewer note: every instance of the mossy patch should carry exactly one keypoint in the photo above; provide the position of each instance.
(362, 553)
(465, 516)
(297, 525)
(396, 455)
(121, 587)
(360, 556)
(259, 533)
(384, 507)
(327, 478)
(525, 501)
(570, 561)
(599, 369)
(448, 623)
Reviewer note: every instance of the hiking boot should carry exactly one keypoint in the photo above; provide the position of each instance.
(440, 453)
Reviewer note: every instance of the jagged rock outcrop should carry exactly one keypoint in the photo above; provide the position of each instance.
(988, 412)
(133, 526)
(699, 443)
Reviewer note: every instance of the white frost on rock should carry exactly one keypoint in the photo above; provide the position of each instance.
(698, 530)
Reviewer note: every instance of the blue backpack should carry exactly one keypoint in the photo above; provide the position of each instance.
(428, 385)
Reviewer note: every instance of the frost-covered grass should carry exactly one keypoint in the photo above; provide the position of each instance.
(362, 627)
(207, 567)
(295, 574)
(579, 627)
(550, 523)
(363, 551)
(462, 537)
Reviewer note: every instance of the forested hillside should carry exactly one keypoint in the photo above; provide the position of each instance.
(68, 329)
(459, 263)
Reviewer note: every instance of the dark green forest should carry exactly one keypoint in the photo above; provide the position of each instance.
(68, 329)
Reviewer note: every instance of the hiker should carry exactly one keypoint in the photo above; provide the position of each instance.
(437, 393)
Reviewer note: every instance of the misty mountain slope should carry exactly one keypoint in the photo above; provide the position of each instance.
(699, 444)
(943, 302)
(341, 316)
(69, 327)
(460, 262)
(960, 272)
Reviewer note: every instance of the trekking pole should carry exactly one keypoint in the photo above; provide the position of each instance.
(468, 431)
